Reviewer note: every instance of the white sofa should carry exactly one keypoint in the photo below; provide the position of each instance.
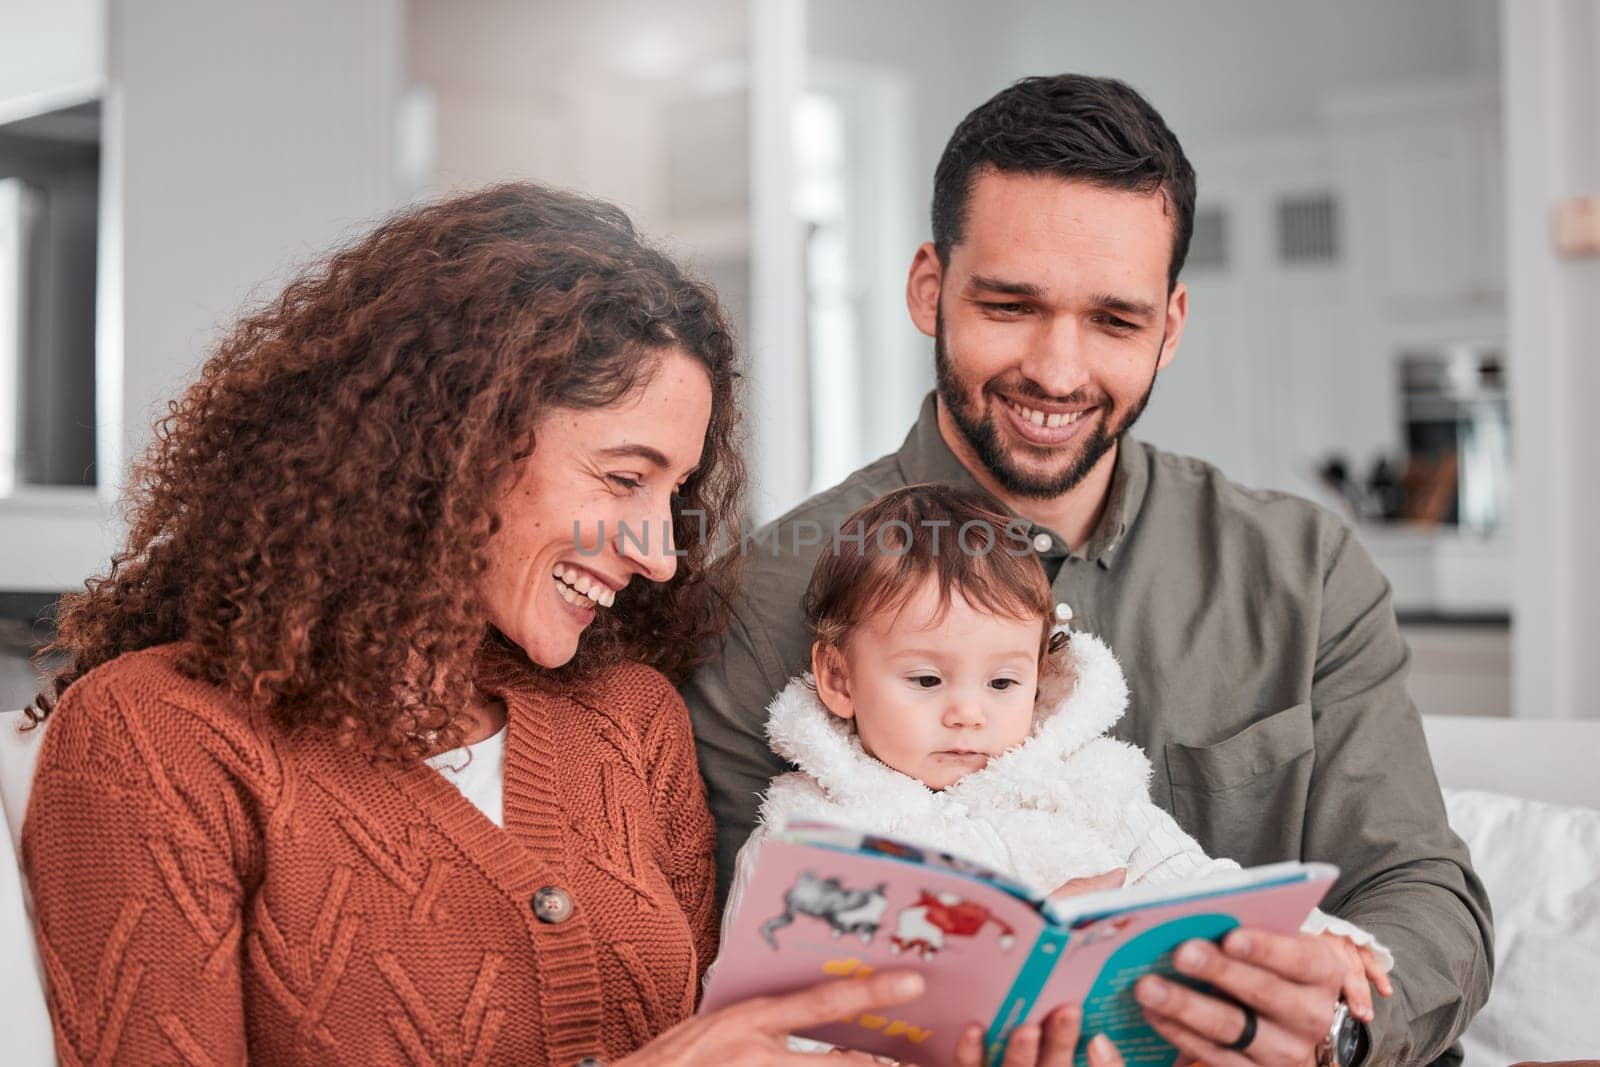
(1524, 795)
(23, 1018)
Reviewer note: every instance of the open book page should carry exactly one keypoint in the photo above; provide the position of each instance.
(1107, 947)
(828, 901)
(814, 912)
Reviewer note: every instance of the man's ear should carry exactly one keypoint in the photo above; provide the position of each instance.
(922, 289)
(833, 679)
(1177, 316)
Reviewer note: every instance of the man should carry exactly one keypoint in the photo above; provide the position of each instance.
(1266, 670)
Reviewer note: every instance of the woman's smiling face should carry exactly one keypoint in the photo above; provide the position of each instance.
(592, 508)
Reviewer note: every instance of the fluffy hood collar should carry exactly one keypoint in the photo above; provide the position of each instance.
(1075, 706)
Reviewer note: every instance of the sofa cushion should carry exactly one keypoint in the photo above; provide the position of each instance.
(1541, 865)
(24, 1020)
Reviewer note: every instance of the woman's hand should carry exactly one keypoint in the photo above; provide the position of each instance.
(1034, 1045)
(756, 1031)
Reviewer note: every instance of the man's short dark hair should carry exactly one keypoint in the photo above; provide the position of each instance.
(1096, 130)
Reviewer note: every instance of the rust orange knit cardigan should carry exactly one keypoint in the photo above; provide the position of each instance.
(209, 888)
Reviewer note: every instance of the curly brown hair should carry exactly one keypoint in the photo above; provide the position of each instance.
(312, 517)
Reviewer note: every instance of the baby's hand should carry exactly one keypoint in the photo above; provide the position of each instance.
(1361, 968)
(1112, 879)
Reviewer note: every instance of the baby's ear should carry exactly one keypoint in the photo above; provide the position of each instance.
(1057, 666)
(833, 680)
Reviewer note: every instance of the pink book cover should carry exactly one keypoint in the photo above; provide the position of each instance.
(827, 902)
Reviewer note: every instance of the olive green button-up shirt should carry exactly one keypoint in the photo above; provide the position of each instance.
(1267, 685)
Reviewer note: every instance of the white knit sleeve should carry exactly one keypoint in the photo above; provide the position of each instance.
(1158, 850)
(1320, 922)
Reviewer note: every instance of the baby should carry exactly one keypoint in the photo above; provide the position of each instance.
(943, 707)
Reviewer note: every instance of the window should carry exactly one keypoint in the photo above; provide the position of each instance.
(49, 221)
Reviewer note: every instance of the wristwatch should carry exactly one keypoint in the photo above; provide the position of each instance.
(1347, 1041)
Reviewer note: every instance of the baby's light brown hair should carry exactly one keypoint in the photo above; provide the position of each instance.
(958, 536)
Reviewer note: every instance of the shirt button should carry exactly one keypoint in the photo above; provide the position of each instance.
(1042, 542)
(552, 904)
(1063, 613)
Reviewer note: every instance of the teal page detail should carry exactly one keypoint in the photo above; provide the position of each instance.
(1110, 1008)
(1025, 989)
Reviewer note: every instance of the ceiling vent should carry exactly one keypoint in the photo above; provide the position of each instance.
(1308, 228)
(1208, 247)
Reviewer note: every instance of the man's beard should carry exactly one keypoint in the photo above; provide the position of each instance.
(978, 425)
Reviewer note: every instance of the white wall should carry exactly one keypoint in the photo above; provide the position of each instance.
(52, 53)
(1229, 69)
(779, 466)
(1552, 105)
(640, 103)
(942, 58)
(244, 140)
(240, 140)
(1219, 72)
(1235, 79)
(571, 94)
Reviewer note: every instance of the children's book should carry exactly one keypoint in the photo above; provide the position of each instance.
(828, 902)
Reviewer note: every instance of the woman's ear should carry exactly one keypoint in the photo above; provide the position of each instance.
(833, 679)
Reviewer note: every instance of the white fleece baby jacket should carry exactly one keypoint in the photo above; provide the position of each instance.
(1068, 802)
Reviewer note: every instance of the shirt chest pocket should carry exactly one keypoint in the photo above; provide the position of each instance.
(1244, 797)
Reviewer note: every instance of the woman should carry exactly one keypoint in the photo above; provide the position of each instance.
(367, 749)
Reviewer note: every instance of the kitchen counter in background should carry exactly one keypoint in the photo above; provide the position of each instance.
(1440, 573)
(18, 678)
(24, 626)
(1452, 594)
(1460, 668)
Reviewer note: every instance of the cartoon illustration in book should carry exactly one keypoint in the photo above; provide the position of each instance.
(1092, 933)
(923, 927)
(888, 846)
(966, 866)
(846, 911)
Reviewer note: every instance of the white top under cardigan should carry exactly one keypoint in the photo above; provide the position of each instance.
(1069, 802)
(481, 778)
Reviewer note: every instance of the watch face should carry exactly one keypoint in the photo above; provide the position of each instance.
(1352, 1041)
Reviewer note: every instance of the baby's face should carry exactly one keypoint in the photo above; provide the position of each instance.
(935, 699)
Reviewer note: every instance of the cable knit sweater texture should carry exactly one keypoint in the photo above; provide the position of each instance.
(210, 888)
